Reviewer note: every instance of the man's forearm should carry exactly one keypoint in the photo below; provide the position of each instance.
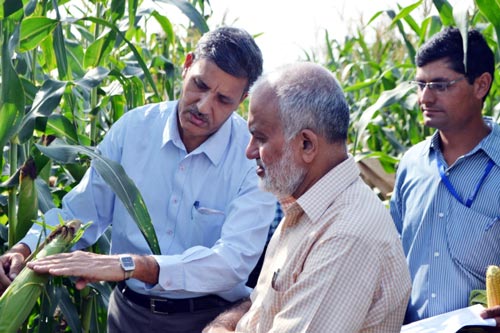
(230, 318)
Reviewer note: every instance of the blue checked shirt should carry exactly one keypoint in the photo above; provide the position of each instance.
(448, 245)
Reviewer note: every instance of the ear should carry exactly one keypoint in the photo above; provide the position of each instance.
(482, 84)
(309, 145)
(245, 95)
(187, 63)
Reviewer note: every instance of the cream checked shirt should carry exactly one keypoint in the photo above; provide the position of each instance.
(335, 264)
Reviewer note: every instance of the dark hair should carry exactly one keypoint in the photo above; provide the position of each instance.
(233, 50)
(448, 44)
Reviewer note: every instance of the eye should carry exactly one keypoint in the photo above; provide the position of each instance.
(438, 86)
(200, 84)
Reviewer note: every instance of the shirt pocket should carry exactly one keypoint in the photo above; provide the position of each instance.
(206, 225)
(473, 240)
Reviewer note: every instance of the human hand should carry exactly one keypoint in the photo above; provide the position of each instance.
(11, 264)
(493, 312)
(86, 266)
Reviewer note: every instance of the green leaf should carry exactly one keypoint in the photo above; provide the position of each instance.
(93, 78)
(10, 7)
(62, 127)
(59, 45)
(387, 98)
(190, 11)
(445, 12)
(137, 55)
(491, 10)
(46, 100)
(12, 94)
(166, 25)
(114, 175)
(34, 30)
(99, 50)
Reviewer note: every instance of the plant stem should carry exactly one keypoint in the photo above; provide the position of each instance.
(12, 209)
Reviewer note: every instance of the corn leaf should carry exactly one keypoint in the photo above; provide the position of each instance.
(115, 176)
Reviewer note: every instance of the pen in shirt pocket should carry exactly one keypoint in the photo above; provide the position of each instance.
(491, 223)
(205, 210)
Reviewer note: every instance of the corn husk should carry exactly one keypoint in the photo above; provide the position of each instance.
(20, 297)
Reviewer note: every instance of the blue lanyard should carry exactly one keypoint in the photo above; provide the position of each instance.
(452, 190)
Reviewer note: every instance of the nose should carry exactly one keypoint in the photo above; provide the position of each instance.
(252, 151)
(204, 103)
(426, 96)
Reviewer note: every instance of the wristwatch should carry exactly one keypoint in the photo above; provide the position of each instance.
(128, 265)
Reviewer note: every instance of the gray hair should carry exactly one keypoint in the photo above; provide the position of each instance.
(309, 97)
(233, 50)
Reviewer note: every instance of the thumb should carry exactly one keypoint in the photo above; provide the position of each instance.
(16, 265)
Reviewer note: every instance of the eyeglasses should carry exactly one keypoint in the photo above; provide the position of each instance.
(436, 86)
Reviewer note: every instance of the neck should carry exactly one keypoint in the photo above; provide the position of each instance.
(459, 143)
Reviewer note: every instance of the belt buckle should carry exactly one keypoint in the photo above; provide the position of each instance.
(152, 304)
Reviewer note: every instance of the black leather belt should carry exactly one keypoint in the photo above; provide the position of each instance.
(170, 305)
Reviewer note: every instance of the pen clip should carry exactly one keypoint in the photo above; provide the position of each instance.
(275, 277)
(491, 223)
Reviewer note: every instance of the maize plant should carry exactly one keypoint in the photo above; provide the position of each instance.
(18, 300)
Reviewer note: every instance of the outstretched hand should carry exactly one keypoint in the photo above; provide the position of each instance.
(86, 266)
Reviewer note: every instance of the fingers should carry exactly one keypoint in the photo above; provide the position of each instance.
(11, 265)
(493, 312)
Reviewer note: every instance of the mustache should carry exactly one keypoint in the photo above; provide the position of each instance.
(260, 163)
(195, 112)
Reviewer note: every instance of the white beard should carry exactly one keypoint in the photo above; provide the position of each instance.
(283, 177)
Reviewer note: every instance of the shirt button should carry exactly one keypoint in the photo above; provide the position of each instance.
(436, 254)
(433, 295)
(182, 168)
(174, 200)
(170, 232)
(441, 214)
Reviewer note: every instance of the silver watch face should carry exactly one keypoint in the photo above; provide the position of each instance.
(127, 263)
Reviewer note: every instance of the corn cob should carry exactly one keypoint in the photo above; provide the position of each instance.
(18, 300)
(493, 286)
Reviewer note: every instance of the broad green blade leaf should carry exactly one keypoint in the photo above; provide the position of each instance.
(191, 12)
(98, 51)
(408, 42)
(387, 98)
(12, 93)
(34, 30)
(62, 127)
(93, 77)
(59, 45)
(117, 9)
(405, 12)
(69, 310)
(9, 7)
(491, 9)
(115, 176)
(166, 25)
(45, 102)
(445, 12)
(137, 55)
(27, 200)
(45, 201)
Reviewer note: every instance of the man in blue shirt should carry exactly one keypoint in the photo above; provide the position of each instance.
(187, 158)
(446, 201)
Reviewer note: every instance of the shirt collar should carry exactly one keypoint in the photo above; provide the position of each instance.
(315, 201)
(214, 147)
(488, 144)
